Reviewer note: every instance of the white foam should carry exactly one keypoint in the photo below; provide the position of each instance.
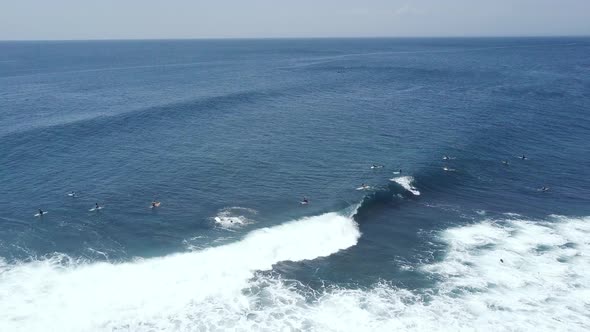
(540, 286)
(233, 217)
(191, 291)
(406, 183)
(230, 222)
(543, 285)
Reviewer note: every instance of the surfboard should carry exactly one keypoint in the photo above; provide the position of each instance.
(40, 215)
(217, 219)
(363, 188)
(96, 209)
(155, 206)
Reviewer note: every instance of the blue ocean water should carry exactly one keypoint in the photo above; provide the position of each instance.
(230, 135)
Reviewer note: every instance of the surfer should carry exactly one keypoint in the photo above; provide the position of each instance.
(155, 204)
(523, 157)
(400, 171)
(544, 189)
(72, 194)
(501, 260)
(304, 200)
(41, 212)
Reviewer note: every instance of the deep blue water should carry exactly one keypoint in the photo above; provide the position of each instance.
(203, 126)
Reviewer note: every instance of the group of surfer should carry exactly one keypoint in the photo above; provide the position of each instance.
(304, 201)
(504, 162)
(97, 207)
(445, 168)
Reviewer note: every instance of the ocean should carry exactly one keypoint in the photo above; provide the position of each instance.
(452, 231)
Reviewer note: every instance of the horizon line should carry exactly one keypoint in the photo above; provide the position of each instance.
(296, 38)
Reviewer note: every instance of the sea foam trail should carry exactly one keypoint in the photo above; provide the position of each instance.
(406, 183)
(543, 284)
(161, 293)
(234, 217)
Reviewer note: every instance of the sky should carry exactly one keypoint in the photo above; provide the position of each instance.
(160, 19)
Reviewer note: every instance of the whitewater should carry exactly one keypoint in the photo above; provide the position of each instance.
(542, 284)
(172, 292)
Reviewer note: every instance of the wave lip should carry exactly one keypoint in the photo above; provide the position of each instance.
(161, 293)
(406, 183)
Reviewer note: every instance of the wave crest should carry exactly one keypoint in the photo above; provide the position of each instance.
(159, 293)
(406, 183)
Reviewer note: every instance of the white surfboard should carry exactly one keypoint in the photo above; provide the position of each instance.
(40, 215)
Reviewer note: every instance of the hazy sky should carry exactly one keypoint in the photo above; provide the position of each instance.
(126, 19)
